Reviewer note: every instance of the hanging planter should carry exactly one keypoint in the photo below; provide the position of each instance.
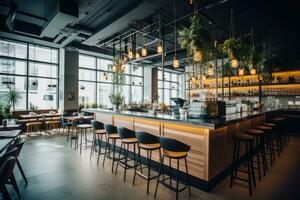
(197, 41)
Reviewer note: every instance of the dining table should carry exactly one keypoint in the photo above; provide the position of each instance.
(10, 127)
(5, 134)
(38, 116)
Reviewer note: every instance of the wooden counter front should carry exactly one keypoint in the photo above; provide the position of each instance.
(211, 149)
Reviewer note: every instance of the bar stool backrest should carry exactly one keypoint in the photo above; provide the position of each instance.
(110, 129)
(97, 125)
(6, 170)
(170, 144)
(146, 138)
(125, 133)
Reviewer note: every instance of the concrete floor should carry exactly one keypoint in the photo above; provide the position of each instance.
(55, 171)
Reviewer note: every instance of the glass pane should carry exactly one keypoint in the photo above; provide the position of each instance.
(104, 77)
(137, 70)
(87, 92)
(167, 76)
(167, 97)
(45, 54)
(40, 69)
(104, 90)
(174, 93)
(89, 75)
(159, 75)
(137, 94)
(174, 85)
(11, 66)
(127, 69)
(104, 64)
(160, 94)
(125, 93)
(13, 49)
(17, 82)
(167, 85)
(39, 90)
(127, 79)
(137, 81)
(87, 61)
(160, 85)
(175, 77)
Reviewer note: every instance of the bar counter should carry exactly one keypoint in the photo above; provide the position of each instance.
(210, 139)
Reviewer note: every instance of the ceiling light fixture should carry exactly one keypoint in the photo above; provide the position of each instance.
(241, 71)
(253, 71)
(137, 55)
(176, 61)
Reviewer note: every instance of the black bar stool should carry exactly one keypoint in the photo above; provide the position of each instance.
(275, 136)
(111, 135)
(281, 134)
(259, 150)
(98, 132)
(269, 141)
(149, 143)
(173, 149)
(127, 138)
(247, 140)
(82, 129)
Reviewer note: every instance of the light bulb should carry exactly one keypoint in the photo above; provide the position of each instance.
(253, 71)
(241, 72)
(234, 62)
(137, 55)
(144, 51)
(203, 77)
(210, 71)
(197, 56)
(130, 53)
(176, 62)
(160, 48)
(114, 68)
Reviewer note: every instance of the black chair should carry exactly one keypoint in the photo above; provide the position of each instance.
(149, 143)
(176, 150)
(66, 125)
(98, 132)
(6, 171)
(247, 140)
(19, 142)
(11, 180)
(111, 135)
(127, 138)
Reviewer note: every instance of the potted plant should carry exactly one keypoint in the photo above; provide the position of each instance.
(4, 112)
(116, 99)
(13, 97)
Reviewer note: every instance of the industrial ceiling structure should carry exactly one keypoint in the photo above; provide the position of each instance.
(99, 25)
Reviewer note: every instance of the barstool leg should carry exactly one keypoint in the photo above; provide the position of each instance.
(105, 152)
(170, 171)
(251, 162)
(93, 145)
(187, 176)
(81, 136)
(248, 169)
(138, 164)
(114, 154)
(148, 165)
(119, 156)
(177, 179)
(159, 173)
(126, 160)
(233, 163)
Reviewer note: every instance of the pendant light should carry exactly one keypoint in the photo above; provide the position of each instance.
(241, 71)
(210, 70)
(160, 48)
(197, 56)
(130, 54)
(234, 61)
(137, 55)
(176, 62)
(144, 49)
(253, 71)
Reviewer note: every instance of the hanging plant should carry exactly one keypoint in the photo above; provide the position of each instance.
(197, 41)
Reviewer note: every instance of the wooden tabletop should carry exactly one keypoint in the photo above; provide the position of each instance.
(10, 134)
(73, 118)
(4, 144)
(10, 127)
(40, 115)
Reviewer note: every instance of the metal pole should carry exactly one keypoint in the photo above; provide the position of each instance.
(163, 70)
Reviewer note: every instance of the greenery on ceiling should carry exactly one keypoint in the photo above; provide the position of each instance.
(197, 38)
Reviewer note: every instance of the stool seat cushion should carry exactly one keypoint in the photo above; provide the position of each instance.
(100, 131)
(264, 127)
(254, 132)
(114, 136)
(52, 122)
(83, 126)
(175, 154)
(269, 124)
(149, 146)
(129, 140)
(243, 137)
(278, 119)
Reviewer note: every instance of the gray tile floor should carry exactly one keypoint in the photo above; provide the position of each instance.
(55, 171)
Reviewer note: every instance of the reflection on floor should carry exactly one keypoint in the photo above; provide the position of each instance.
(55, 171)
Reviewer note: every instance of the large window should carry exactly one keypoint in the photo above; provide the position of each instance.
(168, 87)
(95, 81)
(31, 69)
